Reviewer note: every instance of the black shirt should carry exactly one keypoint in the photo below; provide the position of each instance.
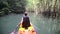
(26, 21)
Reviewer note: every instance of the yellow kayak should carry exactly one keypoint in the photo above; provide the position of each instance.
(30, 30)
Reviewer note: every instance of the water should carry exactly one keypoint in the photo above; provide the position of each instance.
(9, 22)
(45, 25)
(41, 24)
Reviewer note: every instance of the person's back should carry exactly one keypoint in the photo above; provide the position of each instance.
(26, 21)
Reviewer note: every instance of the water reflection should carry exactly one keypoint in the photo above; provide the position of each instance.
(45, 25)
(41, 24)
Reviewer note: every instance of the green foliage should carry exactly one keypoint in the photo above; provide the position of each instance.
(18, 6)
(7, 6)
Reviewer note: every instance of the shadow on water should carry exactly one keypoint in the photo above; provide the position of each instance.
(58, 32)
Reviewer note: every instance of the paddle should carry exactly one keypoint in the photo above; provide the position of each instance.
(13, 32)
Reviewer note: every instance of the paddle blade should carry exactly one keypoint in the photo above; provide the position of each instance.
(12, 32)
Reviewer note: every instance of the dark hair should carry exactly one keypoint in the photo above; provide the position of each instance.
(25, 13)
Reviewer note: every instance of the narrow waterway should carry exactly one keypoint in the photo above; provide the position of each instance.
(41, 24)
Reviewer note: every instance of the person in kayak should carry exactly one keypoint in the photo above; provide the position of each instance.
(25, 21)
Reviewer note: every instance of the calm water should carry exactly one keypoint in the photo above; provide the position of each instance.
(41, 24)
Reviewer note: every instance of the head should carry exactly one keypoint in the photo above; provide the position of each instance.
(25, 13)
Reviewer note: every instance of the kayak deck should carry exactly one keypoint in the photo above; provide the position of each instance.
(30, 30)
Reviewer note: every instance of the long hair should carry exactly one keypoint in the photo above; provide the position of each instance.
(26, 21)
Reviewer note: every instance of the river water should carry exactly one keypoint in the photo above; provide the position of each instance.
(41, 24)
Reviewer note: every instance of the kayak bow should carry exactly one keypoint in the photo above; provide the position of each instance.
(30, 30)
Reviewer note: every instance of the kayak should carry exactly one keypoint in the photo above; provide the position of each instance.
(30, 30)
